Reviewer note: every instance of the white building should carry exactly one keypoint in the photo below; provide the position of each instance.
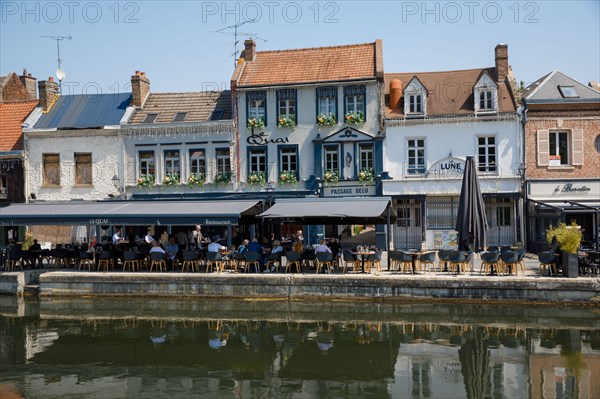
(433, 121)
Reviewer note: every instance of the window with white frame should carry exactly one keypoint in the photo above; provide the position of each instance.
(286, 104)
(257, 160)
(415, 156)
(172, 163)
(415, 96)
(147, 163)
(354, 100)
(327, 101)
(197, 162)
(415, 104)
(288, 159)
(486, 150)
(256, 105)
(223, 161)
(559, 147)
(3, 187)
(331, 158)
(486, 100)
(485, 95)
(366, 156)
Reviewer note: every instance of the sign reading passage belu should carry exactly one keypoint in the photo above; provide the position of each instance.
(349, 191)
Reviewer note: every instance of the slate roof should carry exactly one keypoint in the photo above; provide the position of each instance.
(200, 106)
(307, 65)
(546, 88)
(12, 115)
(449, 92)
(85, 111)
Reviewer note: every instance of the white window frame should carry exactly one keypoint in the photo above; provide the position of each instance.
(556, 135)
(487, 88)
(257, 160)
(222, 160)
(197, 163)
(288, 156)
(415, 103)
(287, 108)
(418, 168)
(147, 164)
(256, 109)
(326, 105)
(486, 96)
(329, 153)
(355, 103)
(3, 186)
(172, 165)
(366, 156)
(484, 150)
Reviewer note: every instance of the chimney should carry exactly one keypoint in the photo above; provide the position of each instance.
(48, 93)
(395, 93)
(501, 51)
(249, 50)
(30, 83)
(140, 88)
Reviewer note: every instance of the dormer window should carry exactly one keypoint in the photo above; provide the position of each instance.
(150, 118)
(415, 97)
(180, 117)
(568, 91)
(485, 94)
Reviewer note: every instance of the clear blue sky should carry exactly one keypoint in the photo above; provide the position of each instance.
(175, 44)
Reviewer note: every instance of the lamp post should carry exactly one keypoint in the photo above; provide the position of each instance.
(522, 174)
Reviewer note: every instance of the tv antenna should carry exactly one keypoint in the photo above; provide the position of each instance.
(60, 74)
(227, 31)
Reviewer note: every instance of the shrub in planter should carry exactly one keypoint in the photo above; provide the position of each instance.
(568, 239)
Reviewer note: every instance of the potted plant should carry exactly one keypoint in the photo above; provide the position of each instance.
(196, 179)
(145, 181)
(331, 176)
(366, 176)
(326, 120)
(354, 118)
(287, 177)
(568, 239)
(257, 178)
(286, 121)
(172, 179)
(257, 123)
(223, 178)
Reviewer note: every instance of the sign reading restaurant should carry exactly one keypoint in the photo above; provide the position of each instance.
(349, 191)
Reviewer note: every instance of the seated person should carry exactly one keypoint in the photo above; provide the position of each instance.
(277, 247)
(322, 247)
(215, 247)
(298, 247)
(35, 246)
(149, 239)
(171, 249)
(254, 246)
(157, 248)
(244, 247)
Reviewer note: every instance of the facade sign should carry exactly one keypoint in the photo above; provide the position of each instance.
(448, 166)
(261, 138)
(565, 189)
(349, 191)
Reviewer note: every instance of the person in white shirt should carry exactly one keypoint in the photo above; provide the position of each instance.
(117, 237)
(149, 239)
(277, 247)
(322, 247)
(215, 247)
(157, 248)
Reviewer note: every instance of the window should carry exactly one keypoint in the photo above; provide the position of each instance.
(197, 162)
(331, 158)
(51, 171)
(83, 169)
(441, 212)
(568, 91)
(327, 101)
(486, 101)
(366, 156)
(286, 104)
(354, 99)
(172, 163)
(150, 118)
(147, 163)
(3, 187)
(256, 105)
(486, 149)
(288, 159)
(257, 160)
(416, 156)
(223, 161)
(415, 104)
(597, 143)
(503, 214)
(180, 117)
(559, 147)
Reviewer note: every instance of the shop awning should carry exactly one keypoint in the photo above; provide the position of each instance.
(573, 206)
(367, 210)
(209, 213)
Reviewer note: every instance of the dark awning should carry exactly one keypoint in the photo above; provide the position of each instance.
(367, 210)
(129, 213)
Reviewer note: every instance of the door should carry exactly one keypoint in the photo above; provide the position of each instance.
(408, 231)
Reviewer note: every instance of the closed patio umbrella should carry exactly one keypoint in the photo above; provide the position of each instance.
(471, 222)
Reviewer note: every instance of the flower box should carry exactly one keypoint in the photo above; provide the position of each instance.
(284, 121)
(331, 176)
(256, 123)
(196, 179)
(366, 176)
(223, 178)
(145, 181)
(354, 118)
(171, 180)
(287, 177)
(257, 178)
(326, 120)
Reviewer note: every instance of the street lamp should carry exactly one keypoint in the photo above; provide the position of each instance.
(117, 183)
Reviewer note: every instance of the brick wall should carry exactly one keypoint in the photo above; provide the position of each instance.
(591, 157)
(14, 90)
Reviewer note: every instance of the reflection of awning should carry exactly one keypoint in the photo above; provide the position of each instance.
(129, 212)
(367, 210)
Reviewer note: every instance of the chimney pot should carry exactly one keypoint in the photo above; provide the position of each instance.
(395, 93)
(501, 58)
(51, 79)
(48, 93)
(249, 50)
(137, 73)
(140, 88)
(143, 73)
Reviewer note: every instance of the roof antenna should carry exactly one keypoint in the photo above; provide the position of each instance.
(227, 31)
(60, 74)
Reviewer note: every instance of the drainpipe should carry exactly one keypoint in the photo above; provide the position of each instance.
(524, 212)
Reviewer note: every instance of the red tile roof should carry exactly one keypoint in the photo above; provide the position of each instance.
(12, 115)
(320, 64)
(449, 92)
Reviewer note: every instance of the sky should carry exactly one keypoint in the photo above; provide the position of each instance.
(177, 44)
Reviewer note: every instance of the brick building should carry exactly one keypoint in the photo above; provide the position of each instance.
(562, 145)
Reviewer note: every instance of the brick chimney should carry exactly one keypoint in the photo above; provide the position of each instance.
(48, 93)
(140, 88)
(249, 50)
(30, 84)
(501, 51)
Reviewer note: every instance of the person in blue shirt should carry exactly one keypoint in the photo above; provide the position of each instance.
(171, 249)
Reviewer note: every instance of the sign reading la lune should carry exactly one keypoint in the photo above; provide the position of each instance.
(448, 166)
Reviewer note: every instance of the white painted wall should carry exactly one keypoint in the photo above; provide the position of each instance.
(106, 149)
(306, 129)
(459, 139)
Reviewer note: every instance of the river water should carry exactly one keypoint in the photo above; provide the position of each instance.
(190, 348)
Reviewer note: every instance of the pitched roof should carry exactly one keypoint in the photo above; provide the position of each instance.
(450, 92)
(83, 111)
(200, 106)
(547, 88)
(307, 65)
(12, 115)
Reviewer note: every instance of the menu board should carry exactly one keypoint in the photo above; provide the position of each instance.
(446, 239)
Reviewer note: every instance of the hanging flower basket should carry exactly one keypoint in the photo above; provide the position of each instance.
(171, 179)
(145, 181)
(287, 177)
(284, 121)
(257, 179)
(196, 179)
(326, 120)
(354, 118)
(331, 176)
(223, 178)
(366, 176)
(256, 123)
